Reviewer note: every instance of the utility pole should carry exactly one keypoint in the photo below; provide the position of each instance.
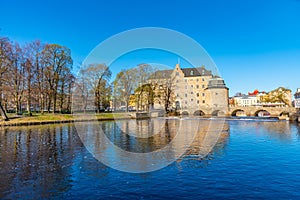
(3, 114)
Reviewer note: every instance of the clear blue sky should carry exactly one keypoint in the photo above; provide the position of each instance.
(255, 44)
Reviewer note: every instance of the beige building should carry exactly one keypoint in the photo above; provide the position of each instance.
(189, 90)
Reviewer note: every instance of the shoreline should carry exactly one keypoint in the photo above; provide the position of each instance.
(33, 120)
(61, 118)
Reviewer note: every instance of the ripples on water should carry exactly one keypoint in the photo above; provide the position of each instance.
(250, 160)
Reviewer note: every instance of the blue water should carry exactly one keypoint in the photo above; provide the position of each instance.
(256, 160)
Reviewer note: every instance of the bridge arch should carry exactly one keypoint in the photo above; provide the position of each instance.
(199, 113)
(262, 112)
(284, 113)
(185, 113)
(217, 113)
(238, 112)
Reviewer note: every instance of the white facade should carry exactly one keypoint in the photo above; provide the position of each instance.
(245, 101)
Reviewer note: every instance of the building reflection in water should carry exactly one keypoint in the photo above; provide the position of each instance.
(183, 137)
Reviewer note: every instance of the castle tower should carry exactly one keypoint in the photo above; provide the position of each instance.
(217, 96)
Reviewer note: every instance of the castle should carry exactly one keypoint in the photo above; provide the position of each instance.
(193, 91)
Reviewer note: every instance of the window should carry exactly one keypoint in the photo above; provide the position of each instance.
(198, 101)
(185, 95)
(192, 99)
(198, 95)
(216, 93)
(197, 79)
(197, 86)
(203, 101)
(177, 73)
(203, 94)
(186, 87)
(192, 92)
(192, 86)
(203, 86)
(192, 73)
(202, 79)
(185, 102)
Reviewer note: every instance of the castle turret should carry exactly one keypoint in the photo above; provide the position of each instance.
(217, 96)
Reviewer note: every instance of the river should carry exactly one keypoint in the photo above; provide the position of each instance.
(249, 159)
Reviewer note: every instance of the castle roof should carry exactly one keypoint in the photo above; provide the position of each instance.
(199, 71)
(188, 72)
(216, 82)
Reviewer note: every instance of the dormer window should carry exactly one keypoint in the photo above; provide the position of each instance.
(192, 73)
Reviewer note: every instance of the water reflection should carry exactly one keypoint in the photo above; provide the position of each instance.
(35, 160)
(51, 162)
(41, 160)
(148, 145)
(281, 130)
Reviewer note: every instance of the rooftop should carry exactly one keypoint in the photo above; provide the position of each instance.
(188, 72)
(199, 71)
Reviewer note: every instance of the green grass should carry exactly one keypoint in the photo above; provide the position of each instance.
(49, 117)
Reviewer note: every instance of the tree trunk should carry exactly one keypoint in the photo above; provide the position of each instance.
(54, 102)
(17, 104)
(29, 101)
(3, 114)
(42, 103)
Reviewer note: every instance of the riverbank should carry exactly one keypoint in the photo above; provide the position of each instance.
(47, 118)
(39, 119)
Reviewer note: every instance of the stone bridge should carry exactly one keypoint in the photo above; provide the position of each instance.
(254, 111)
(243, 111)
(205, 111)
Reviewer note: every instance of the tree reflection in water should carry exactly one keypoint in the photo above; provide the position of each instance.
(38, 160)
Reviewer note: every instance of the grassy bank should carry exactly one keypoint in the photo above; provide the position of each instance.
(38, 118)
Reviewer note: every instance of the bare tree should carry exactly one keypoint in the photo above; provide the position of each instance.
(124, 85)
(93, 82)
(17, 72)
(36, 73)
(57, 60)
(5, 63)
(82, 91)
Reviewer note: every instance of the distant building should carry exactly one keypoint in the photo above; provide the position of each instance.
(252, 99)
(280, 97)
(246, 100)
(297, 98)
